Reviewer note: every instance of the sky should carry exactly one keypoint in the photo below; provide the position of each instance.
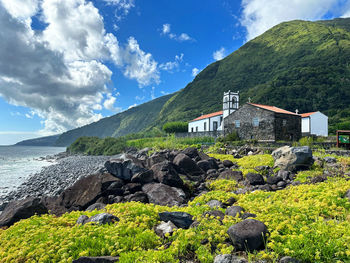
(67, 63)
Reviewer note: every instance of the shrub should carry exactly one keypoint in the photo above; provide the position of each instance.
(172, 127)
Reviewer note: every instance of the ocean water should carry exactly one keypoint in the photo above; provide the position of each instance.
(18, 162)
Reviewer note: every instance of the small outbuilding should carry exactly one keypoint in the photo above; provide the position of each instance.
(314, 123)
(263, 123)
(207, 122)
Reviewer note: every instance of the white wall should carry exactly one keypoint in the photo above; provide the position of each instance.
(200, 124)
(305, 124)
(319, 124)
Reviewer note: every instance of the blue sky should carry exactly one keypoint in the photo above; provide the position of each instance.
(66, 63)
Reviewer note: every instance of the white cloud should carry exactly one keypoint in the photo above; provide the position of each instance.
(132, 106)
(140, 98)
(260, 15)
(166, 30)
(164, 92)
(110, 101)
(195, 71)
(219, 54)
(122, 7)
(59, 72)
(171, 65)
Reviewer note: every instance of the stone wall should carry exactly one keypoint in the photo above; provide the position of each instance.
(287, 127)
(246, 131)
(213, 134)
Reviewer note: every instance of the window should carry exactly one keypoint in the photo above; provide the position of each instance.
(215, 125)
(205, 126)
(192, 129)
(197, 129)
(255, 122)
(221, 119)
(284, 122)
(237, 123)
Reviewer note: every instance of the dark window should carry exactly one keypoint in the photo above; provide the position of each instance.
(215, 125)
(205, 126)
(192, 129)
(197, 129)
(221, 119)
(256, 122)
(284, 122)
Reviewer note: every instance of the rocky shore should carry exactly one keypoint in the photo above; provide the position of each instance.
(53, 179)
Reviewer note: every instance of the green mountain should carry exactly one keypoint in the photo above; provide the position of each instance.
(295, 65)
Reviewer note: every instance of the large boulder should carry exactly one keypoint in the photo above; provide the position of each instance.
(165, 228)
(179, 219)
(228, 258)
(21, 209)
(161, 194)
(231, 175)
(166, 173)
(191, 152)
(124, 166)
(145, 177)
(249, 234)
(255, 179)
(156, 158)
(186, 164)
(82, 194)
(293, 158)
(234, 211)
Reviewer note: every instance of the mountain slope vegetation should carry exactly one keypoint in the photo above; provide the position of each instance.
(295, 65)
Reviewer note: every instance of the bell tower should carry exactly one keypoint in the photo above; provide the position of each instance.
(230, 103)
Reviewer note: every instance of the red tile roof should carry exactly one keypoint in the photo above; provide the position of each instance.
(273, 108)
(208, 116)
(307, 114)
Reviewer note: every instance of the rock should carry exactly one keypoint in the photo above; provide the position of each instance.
(115, 188)
(249, 234)
(179, 219)
(230, 201)
(161, 194)
(247, 215)
(191, 152)
(22, 209)
(328, 159)
(102, 219)
(255, 179)
(132, 188)
(156, 158)
(214, 204)
(82, 194)
(204, 165)
(285, 175)
(124, 166)
(228, 258)
(234, 211)
(281, 184)
(187, 164)
(164, 228)
(231, 175)
(213, 163)
(166, 173)
(82, 219)
(293, 158)
(227, 163)
(97, 206)
(137, 197)
(115, 199)
(318, 179)
(145, 177)
(215, 213)
(273, 179)
(265, 187)
(105, 259)
(288, 259)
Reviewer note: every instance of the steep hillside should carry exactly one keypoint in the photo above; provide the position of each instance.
(130, 121)
(295, 65)
(42, 141)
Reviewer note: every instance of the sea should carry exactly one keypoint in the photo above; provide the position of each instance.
(17, 163)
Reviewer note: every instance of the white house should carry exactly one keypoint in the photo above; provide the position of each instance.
(214, 121)
(314, 123)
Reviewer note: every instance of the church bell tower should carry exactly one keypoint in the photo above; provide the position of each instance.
(230, 103)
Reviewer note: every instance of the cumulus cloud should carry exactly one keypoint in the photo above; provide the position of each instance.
(59, 72)
(122, 7)
(110, 101)
(172, 65)
(166, 30)
(132, 106)
(195, 71)
(260, 15)
(219, 54)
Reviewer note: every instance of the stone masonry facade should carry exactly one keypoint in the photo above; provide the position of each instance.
(251, 122)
